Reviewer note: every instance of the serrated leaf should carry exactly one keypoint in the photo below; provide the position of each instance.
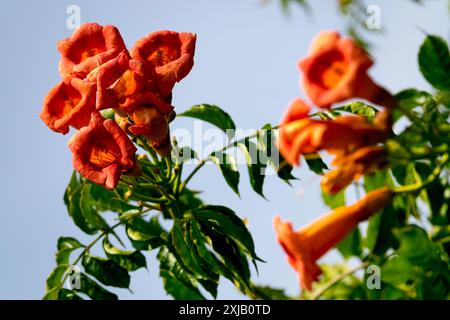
(77, 214)
(87, 204)
(129, 260)
(273, 157)
(177, 282)
(178, 236)
(72, 186)
(434, 62)
(214, 115)
(225, 220)
(229, 169)
(106, 271)
(146, 235)
(93, 290)
(199, 244)
(256, 169)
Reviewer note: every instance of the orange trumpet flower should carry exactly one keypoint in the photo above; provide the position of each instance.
(69, 105)
(336, 70)
(305, 246)
(169, 54)
(90, 46)
(102, 151)
(351, 167)
(301, 135)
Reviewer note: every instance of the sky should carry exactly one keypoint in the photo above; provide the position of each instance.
(245, 62)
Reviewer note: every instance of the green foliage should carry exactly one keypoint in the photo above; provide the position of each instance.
(212, 114)
(434, 62)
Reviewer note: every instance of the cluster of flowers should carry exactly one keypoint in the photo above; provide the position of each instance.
(98, 73)
(334, 71)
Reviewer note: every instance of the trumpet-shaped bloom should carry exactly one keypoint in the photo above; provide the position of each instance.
(305, 246)
(90, 46)
(123, 83)
(302, 135)
(69, 105)
(102, 151)
(169, 54)
(151, 123)
(351, 167)
(336, 70)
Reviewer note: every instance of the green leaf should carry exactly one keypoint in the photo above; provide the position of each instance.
(416, 246)
(315, 163)
(77, 214)
(183, 154)
(189, 260)
(129, 260)
(55, 277)
(199, 242)
(237, 268)
(334, 200)
(146, 235)
(409, 99)
(229, 169)
(256, 169)
(88, 210)
(65, 294)
(398, 270)
(270, 154)
(109, 200)
(65, 247)
(225, 220)
(214, 115)
(177, 282)
(269, 293)
(351, 245)
(359, 108)
(93, 290)
(68, 243)
(73, 185)
(434, 62)
(106, 271)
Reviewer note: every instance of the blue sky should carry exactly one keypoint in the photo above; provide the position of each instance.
(245, 62)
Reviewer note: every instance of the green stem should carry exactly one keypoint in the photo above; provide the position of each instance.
(191, 175)
(430, 179)
(160, 189)
(229, 145)
(412, 116)
(336, 280)
(90, 245)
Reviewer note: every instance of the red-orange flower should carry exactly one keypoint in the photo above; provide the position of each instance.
(69, 105)
(90, 46)
(123, 83)
(336, 70)
(102, 151)
(151, 123)
(351, 167)
(169, 54)
(305, 246)
(302, 135)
